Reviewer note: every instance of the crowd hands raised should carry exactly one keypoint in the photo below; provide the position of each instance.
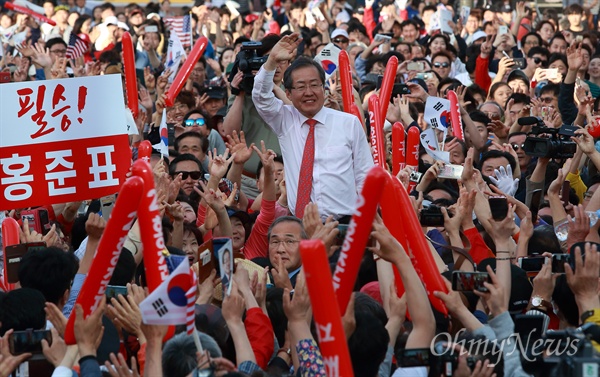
(225, 177)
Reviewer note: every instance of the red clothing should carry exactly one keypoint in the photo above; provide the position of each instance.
(479, 250)
(201, 216)
(482, 74)
(369, 22)
(261, 336)
(258, 244)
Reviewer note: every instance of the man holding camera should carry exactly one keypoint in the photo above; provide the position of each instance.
(242, 116)
(325, 152)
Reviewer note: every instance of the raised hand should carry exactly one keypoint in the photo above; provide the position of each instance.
(266, 156)
(237, 145)
(217, 164)
(574, 57)
(284, 50)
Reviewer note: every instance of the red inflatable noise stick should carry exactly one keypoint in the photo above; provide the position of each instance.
(346, 81)
(109, 249)
(377, 136)
(186, 70)
(357, 236)
(387, 85)
(21, 9)
(130, 76)
(328, 322)
(10, 236)
(412, 152)
(457, 129)
(145, 151)
(398, 148)
(422, 259)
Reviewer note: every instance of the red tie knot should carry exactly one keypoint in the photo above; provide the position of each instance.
(311, 122)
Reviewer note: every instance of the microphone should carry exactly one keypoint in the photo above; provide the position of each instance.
(528, 121)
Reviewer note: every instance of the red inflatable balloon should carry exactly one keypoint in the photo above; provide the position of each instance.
(377, 136)
(144, 151)
(398, 148)
(356, 113)
(387, 85)
(150, 222)
(357, 236)
(420, 253)
(21, 9)
(412, 152)
(346, 81)
(389, 204)
(594, 128)
(10, 236)
(332, 340)
(109, 249)
(186, 70)
(455, 117)
(130, 76)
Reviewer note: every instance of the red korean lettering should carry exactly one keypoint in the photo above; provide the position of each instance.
(57, 97)
(25, 102)
(40, 113)
(16, 168)
(83, 91)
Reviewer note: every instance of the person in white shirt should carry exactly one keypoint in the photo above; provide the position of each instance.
(335, 149)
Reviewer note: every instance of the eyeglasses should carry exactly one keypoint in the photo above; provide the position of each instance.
(547, 99)
(195, 122)
(185, 174)
(542, 61)
(441, 65)
(313, 87)
(517, 146)
(274, 244)
(341, 40)
(59, 52)
(588, 195)
(532, 43)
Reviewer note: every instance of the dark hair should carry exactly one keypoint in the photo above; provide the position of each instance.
(124, 269)
(538, 50)
(573, 9)
(79, 23)
(519, 98)
(534, 34)
(408, 23)
(54, 41)
(543, 239)
(184, 157)
(564, 299)
(433, 38)
(550, 88)
(203, 140)
(268, 42)
(367, 345)
(480, 117)
(542, 23)
(496, 154)
(442, 53)
(301, 62)
(558, 35)
(207, 120)
(558, 56)
(260, 165)
(192, 228)
(187, 98)
(106, 6)
(50, 271)
(22, 309)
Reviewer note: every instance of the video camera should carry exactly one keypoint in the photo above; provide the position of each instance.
(247, 60)
(556, 144)
(570, 353)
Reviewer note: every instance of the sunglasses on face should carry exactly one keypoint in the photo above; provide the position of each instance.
(195, 122)
(441, 65)
(540, 61)
(517, 146)
(195, 175)
(340, 40)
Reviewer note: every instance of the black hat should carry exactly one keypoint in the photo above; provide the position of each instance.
(216, 92)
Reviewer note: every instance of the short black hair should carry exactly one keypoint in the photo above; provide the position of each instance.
(552, 88)
(534, 34)
(184, 157)
(124, 269)
(480, 117)
(187, 98)
(203, 140)
(519, 98)
(301, 62)
(54, 41)
(260, 165)
(368, 344)
(538, 50)
(496, 154)
(22, 309)
(49, 270)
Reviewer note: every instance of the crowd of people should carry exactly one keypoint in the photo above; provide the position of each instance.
(264, 152)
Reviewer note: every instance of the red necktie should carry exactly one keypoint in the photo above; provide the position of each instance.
(306, 170)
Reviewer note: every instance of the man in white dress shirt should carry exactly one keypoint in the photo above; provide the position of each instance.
(314, 139)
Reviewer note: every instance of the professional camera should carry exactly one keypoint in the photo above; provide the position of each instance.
(247, 60)
(570, 353)
(556, 142)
